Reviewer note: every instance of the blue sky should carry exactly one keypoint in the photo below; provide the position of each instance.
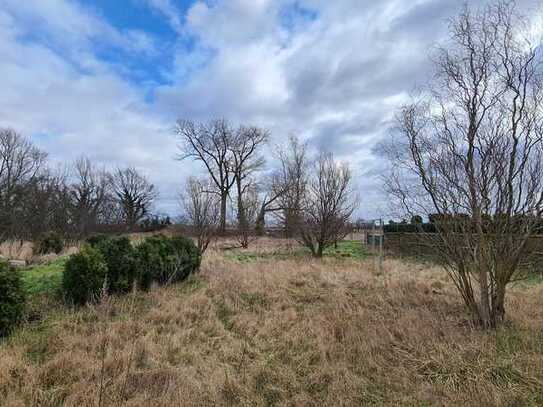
(142, 16)
(108, 78)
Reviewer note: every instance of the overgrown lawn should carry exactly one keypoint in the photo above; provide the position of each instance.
(281, 332)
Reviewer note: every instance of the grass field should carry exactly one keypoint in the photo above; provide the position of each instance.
(44, 278)
(285, 331)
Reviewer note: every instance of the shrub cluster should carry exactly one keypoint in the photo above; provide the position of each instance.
(85, 274)
(113, 263)
(12, 298)
(119, 256)
(51, 242)
(166, 260)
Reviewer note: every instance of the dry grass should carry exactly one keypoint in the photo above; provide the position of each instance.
(17, 250)
(292, 332)
(24, 250)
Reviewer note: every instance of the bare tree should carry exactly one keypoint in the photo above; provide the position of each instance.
(202, 209)
(89, 195)
(134, 194)
(326, 205)
(288, 185)
(20, 163)
(212, 144)
(45, 206)
(270, 192)
(471, 152)
(245, 161)
(248, 205)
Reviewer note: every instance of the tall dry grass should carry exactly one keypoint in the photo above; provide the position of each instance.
(24, 250)
(295, 332)
(17, 250)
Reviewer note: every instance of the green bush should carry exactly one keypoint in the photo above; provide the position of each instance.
(84, 275)
(188, 255)
(149, 263)
(12, 299)
(119, 256)
(51, 243)
(166, 260)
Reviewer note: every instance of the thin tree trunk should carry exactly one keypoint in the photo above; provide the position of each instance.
(320, 250)
(498, 306)
(222, 225)
(261, 221)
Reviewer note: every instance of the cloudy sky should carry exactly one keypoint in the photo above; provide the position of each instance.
(108, 78)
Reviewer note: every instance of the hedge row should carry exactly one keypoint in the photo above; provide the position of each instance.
(410, 228)
(115, 266)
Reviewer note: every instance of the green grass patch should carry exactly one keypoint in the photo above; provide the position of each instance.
(353, 249)
(533, 279)
(192, 284)
(44, 278)
(225, 314)
(347, 249)
(250, 257)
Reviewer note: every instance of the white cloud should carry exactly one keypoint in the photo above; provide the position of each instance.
(71, 111)
(331, 71)
(337, 81)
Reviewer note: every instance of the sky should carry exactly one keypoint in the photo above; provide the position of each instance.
(109, 78)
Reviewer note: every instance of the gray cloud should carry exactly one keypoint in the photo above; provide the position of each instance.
(334, 76)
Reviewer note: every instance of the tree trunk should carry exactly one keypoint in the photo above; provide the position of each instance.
(243, 224)
(261, 221)
(222, 223)
(498, 305)
(484, 305)
(319, 251)
(482, 264)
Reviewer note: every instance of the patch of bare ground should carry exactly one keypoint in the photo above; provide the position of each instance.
(296, 332)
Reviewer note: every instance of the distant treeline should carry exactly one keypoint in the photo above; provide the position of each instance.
(73, 201)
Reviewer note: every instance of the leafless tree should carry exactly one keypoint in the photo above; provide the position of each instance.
(202, 209)
(268, 202)
(20, 163)
(249, 204)
(246, 159)
(89, 195)
(212, 144)
(134, 194)
(471, 152)
(45, 206)
(327, 204)
(288, 185)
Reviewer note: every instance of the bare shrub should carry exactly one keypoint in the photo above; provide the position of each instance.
(246, 161)
(288, 183)
(247, 211)
(326, 206)
(202, 208)
(471, 153)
